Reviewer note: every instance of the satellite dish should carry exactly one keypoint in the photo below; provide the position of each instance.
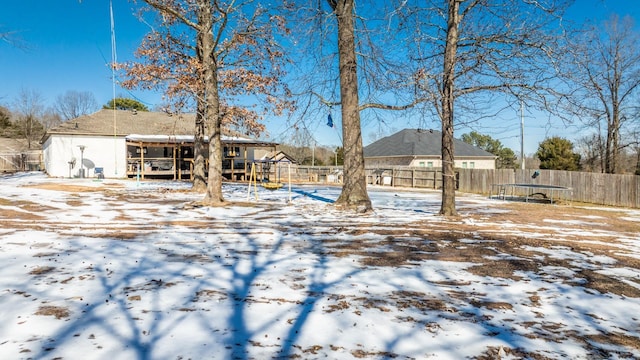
(88, 163)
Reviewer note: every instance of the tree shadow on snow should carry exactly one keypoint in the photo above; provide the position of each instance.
(143, 293)
(235, 291)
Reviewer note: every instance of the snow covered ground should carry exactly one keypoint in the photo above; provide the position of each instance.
(118, 269)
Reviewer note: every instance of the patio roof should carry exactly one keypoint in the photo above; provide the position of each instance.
(180, 139)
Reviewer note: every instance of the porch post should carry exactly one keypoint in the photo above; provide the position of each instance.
(175, 168)
(141, 165)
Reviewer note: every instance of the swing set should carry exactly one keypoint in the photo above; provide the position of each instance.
(265, 177)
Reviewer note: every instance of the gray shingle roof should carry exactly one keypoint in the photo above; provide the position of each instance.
(127, 122)
(419, 142)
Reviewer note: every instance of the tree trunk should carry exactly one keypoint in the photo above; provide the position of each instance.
(612, 144)
(354, 190)
(199, 168)
(212, 114)
(448, 207)
(199, 175)
(613, 138)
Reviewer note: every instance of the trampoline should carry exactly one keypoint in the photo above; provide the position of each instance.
(537, 192)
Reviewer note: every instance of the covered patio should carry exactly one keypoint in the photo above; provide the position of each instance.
(172, 156)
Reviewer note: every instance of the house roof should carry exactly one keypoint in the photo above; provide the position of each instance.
(419, 142)
(277, 156)
(125, 122)
(137, 124)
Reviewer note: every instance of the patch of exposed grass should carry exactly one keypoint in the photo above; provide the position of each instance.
(42, 270)
(58, 311)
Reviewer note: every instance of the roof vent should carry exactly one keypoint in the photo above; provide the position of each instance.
(76, 124)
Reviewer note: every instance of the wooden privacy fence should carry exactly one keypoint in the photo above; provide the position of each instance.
(27, 161)
(417, 177)
(594, 188)
(330, 174)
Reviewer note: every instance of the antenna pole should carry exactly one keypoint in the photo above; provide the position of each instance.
(522, 135)
(114, 60)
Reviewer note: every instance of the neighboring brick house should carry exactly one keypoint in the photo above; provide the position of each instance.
(423, 148)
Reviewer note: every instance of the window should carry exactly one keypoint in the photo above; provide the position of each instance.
(472, 164)
(464, 164)
(430, 164)
(231, 151)
(421, 163)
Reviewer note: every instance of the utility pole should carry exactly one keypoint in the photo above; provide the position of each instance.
(114, 61)
(522, 135)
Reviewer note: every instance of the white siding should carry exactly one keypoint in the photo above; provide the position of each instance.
(108, 153)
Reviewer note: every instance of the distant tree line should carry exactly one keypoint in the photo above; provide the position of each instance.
(555, 153)
(27, 117)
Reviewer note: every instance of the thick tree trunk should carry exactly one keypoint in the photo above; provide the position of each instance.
(448, 207)
(354, 190)
(608, 154)
(214, 184)
(612, 144)
(212, 114)
(199, 169)
(613, 128)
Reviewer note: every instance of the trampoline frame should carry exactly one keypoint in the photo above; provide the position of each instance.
(554, 191)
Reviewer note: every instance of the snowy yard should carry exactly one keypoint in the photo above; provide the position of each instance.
(117, 269)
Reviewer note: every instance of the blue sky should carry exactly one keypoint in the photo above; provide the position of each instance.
(66, 45)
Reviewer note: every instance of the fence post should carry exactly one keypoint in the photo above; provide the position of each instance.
(393, 177)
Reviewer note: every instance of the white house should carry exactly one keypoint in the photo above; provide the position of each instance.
(122, 143)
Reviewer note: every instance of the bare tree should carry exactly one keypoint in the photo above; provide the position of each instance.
(233, 54)
(73, 104)
(299, 144)
(591, 149)
(344, 64)
(604, 67)
(354, 190)
(172, 63)
(450, 61)
(28, 111)
(471, 53)
(51, 118)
